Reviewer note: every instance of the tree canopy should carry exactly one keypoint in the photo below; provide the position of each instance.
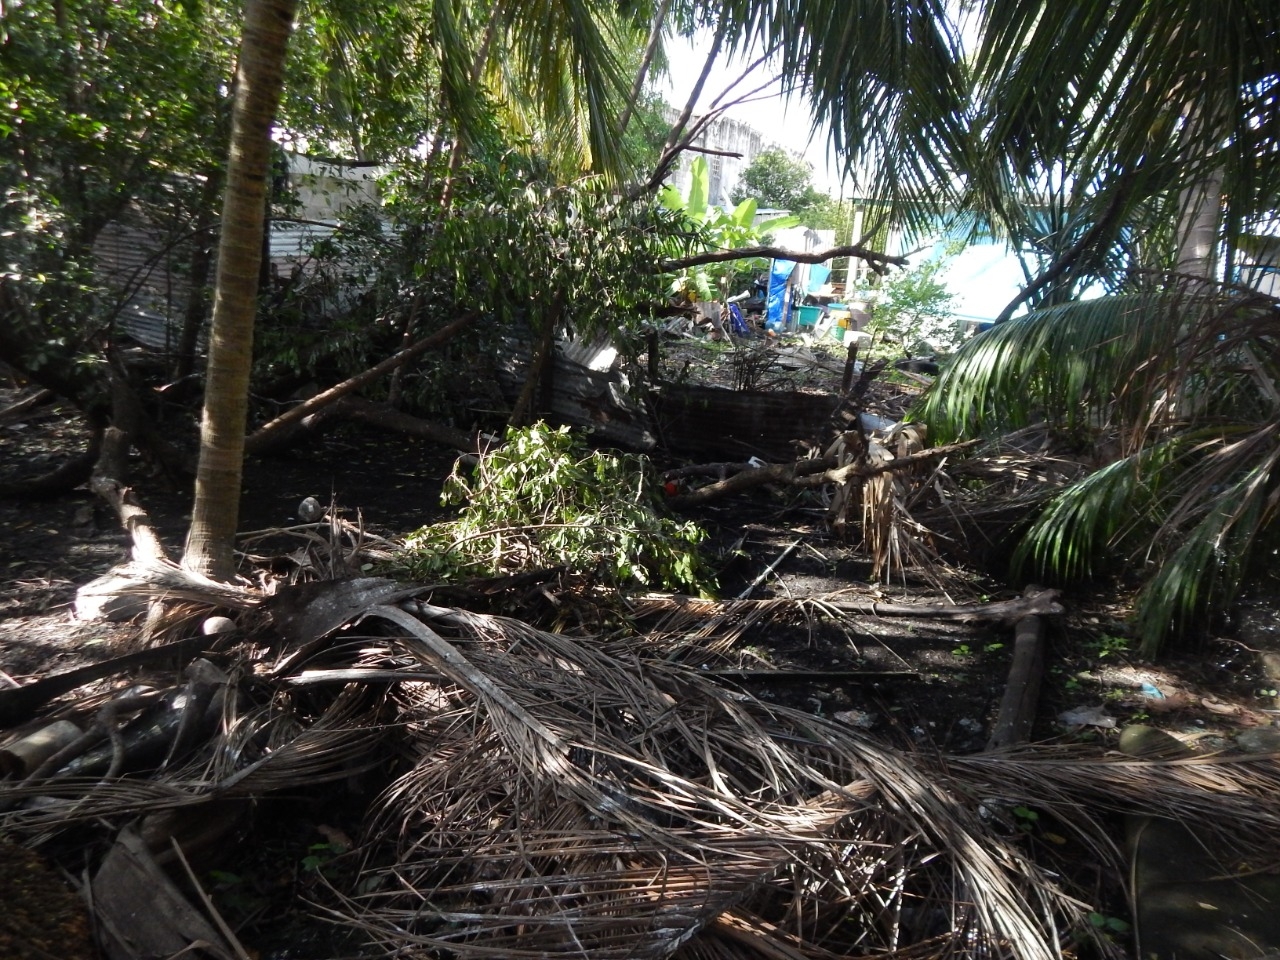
(777, 179)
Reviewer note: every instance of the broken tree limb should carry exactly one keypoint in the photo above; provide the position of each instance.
(841, 474)
(732, 468)
(261, 438)
(764, 574)
(20, 408)
(1042, 603)
(750, 478)
(21, 704)
(388, 418)
(1021, 694)
(810, 473)
(873, 257)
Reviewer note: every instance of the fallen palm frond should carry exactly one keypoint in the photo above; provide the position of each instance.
(695, 627)
(601, 804)
(606, 805)
(1171, 388)
(562, 796)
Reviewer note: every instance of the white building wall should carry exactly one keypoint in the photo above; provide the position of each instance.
(729, 136)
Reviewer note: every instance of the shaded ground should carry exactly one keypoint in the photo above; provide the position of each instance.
(939, 679)
(903, 679)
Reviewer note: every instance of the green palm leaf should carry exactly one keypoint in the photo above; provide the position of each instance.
(1173, 388)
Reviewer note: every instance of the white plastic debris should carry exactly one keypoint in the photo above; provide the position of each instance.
(1087, 717)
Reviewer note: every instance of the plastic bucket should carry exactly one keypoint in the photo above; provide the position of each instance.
(808, 316)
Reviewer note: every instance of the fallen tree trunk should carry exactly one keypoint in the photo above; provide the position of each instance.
(106, 483)
(1022, 692)
(809, 473)
(264, 437)
(1042, 602)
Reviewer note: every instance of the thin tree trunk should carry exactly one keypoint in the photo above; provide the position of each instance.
(259, 82)
(201, 264)
(642, 73)
(523, 413)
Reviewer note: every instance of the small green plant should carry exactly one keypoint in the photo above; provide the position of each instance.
(914, 308)
(542, 500)
(1026, 818)
(318, 854)
(1108, 925)
(1110, 646)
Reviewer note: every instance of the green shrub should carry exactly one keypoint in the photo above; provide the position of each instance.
(542, 500)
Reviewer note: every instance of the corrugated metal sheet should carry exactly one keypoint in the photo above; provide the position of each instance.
(590, 389)
(146, 268)
(142, 266)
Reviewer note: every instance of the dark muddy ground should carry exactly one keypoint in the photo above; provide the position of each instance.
(939, 680)
(908, 680)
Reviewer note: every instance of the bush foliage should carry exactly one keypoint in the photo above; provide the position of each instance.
(542, 500)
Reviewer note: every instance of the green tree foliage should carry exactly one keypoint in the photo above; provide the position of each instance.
(541, 500)
(776, 179)
(1187, 495)
(521, 246)
(113, 112)
(779, 180)
(913, 307)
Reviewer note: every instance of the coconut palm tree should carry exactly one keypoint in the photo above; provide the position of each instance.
(1129, 136)
(259, 80)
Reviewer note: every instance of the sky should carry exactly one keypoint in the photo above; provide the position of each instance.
(787, 122)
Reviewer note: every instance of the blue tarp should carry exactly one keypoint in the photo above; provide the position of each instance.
(775, 317)
(819, 274)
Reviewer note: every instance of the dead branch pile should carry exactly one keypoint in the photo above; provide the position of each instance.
(588, 797)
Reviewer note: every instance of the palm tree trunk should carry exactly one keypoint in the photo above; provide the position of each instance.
(646, 60)
(1200, 220)
(259, 81)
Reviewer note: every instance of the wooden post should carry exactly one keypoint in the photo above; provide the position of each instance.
(1018, 707)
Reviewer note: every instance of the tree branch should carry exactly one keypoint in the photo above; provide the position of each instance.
(262, 437)
(874, 258)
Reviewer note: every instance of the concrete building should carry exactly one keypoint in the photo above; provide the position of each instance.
(723, 136)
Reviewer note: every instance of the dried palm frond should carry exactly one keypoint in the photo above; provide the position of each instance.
(594, 803)
(277, 746)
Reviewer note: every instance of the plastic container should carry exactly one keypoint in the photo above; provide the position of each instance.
(808, 316)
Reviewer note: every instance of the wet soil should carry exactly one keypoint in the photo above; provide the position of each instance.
(908, 680)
